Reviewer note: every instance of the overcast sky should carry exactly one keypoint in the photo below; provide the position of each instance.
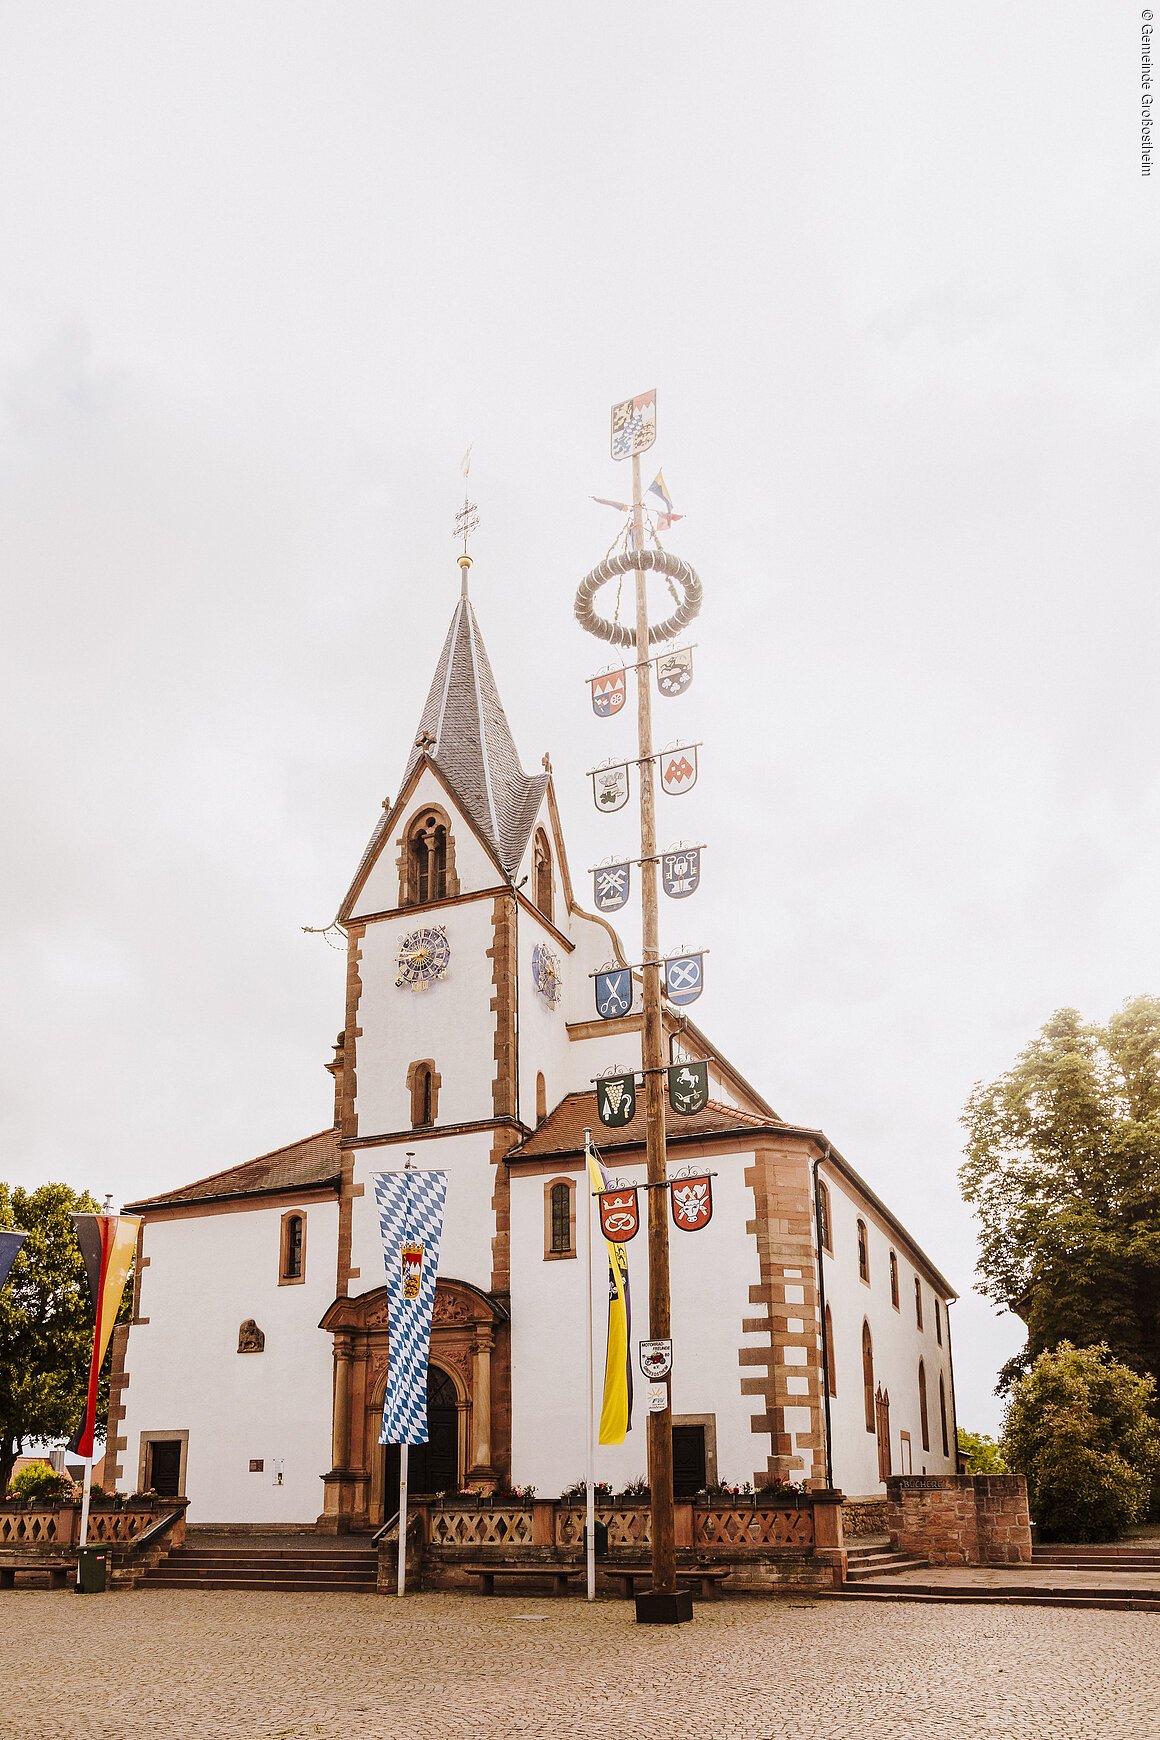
(267, 268)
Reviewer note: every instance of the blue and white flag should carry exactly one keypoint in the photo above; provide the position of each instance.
(411, 1222)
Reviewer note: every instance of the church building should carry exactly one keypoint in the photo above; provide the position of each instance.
(811, 1335)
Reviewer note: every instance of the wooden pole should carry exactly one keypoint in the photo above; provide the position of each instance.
(660, 1427)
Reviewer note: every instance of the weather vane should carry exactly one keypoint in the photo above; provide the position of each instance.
(467, 519)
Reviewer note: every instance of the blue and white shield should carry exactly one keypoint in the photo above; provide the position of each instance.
(610, 883)
(684, 978)
(681, 872)
(614, 993)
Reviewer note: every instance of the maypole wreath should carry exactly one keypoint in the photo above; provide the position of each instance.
(624, 562)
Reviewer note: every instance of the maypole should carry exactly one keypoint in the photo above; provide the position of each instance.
(633, 432)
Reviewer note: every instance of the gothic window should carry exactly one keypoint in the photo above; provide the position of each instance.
(542, 874)
(541, 1098)
(868, 1375)
(923, 1418)
(825, 1235)
(292, 1249)
(560, 1218)
(863, 1253)
(918, 1300)
(427, 862)
(938, 1320)
(831, 1377)
(894, 1280)
(424, 1082)
(942, 1410)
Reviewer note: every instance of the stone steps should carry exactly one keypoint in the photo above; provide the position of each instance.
(880, 1564)
(300, 1566)
(1112, 1600)
(1097, 1558)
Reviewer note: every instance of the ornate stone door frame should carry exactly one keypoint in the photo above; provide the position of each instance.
(470, 1340)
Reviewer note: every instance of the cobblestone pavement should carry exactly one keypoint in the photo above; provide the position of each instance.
(173, 1665)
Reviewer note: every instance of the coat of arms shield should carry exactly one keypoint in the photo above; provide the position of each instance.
(634, 425)
(608, 694)
(675, 671)
(610, 787)
(678, 770)
(681, 872)
(616, 1100)
(656, 1359)
(614, 993)
(684, 978)
(610, 886)
(692, 1200)
(619, 1215)
(688, 1087)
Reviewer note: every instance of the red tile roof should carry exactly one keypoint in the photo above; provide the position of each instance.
(562, 1132)
(313, 1161)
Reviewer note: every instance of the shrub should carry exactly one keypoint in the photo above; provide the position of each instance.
(983, 1454)
(40, 1483)
(1079, 1428)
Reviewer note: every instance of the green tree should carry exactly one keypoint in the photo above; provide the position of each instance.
(983, 1455)
(1063, 1167)
(1079, 1428)
(46, 1322)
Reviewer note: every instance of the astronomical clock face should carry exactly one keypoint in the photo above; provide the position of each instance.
(423, 957)
(546, 974)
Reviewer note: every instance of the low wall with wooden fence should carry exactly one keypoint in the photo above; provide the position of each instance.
(137, 1532)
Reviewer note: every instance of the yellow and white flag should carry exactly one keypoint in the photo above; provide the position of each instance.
(616, 1408)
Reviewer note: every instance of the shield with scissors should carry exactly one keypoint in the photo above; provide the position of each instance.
(688, 1087)
(675, 671)
(608, 693)
(616, 1100)
(684, 978)
(678, 770)
(619, 1215)
(614, 993)
(610, 886)
(681, 872)
(610, 787)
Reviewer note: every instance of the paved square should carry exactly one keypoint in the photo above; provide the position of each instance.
(203, 1666)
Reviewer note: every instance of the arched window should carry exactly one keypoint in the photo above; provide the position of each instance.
(942, 1411)
(918, 1300)
(541, 1098)
(831, 1375)
(424, 1082)
(825, 1233)
(863, 1253)
(559, 1218)
(427, 863)
(542, 873)
(868, 1375)
(292, 1248)
(938, 1319)
(894, 1280)
(923, 1419)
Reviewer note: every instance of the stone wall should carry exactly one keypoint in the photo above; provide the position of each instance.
(864, 1516)
(960, 1519)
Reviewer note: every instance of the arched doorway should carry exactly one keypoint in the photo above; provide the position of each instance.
(434, 1466)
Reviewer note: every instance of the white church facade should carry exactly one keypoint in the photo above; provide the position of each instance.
(811, 1334)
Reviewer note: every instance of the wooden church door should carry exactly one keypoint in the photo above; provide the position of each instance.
(882, 1419)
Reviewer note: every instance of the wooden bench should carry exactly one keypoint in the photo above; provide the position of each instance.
(705, 1581)
(561, 1575)
(59, 1571)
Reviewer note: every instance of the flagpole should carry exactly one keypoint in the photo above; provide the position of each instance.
(86, 1496)
(402, 1578)
(590, 1458)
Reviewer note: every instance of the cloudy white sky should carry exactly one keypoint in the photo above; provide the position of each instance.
(266, 268)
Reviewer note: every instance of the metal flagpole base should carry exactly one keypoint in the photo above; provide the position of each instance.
(654, 1608)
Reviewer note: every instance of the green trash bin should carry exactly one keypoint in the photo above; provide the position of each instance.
(601, 1539)
(92, 1570)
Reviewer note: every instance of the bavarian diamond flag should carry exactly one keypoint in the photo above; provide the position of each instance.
(411, 1222)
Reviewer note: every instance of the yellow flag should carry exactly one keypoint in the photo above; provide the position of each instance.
(616, 1409)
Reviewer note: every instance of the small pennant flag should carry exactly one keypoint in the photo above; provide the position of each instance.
(624, 507)
(660, 489)
(107, 1243)
(10, 1243)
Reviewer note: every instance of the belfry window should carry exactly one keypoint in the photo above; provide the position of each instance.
(542, 874)
(428, 860)
(424, 1083)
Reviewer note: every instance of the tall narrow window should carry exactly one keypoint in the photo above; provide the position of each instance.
(894, 1280)
(559, 1218)
(938, 1319)
(541, 1098)
(825, 1234)
(918, 1300)
(292, 1249)
(427, 860)
(542, 873)
(942, 1412)
(424, 1083)
(868, 1375)
(863, 1253)
(923, 1419)
(831, 1375)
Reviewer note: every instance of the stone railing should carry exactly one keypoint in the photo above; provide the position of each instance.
(506, 1526)
(44, 1529)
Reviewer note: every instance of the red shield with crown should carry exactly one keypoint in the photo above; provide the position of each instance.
(619, 1215)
